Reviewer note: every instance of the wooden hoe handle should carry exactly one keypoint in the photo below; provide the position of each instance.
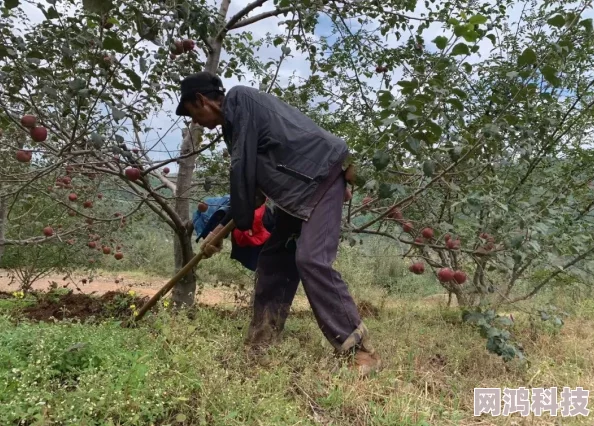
(182, 272)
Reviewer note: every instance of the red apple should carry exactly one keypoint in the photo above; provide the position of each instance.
(417, 268)
(188, 45)
(88, 204)
(367, 200)
(427, 233)
(459, 277)
(48, 231)
(445, 275)
(447, 237)
(132, 173)
(71, 213)
(24, 156)
(395, 213)
(202, 207)
(453, 244)
(177, 48)
(92, 244)
(106, 250)
(72, 196)
(407, 227)
(118, 256)
(39, 134)
(66, 180)
(166, 170)
(29, 121)
(419, 240)
(100, 196)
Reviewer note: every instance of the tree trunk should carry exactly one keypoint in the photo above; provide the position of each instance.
(3, 211)
(185, 289)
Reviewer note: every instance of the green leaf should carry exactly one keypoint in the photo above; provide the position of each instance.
(180, 418)
(467, 67)
(35, 54)
(384, 191)
(412, 145)
(471, 37)
(461, 49)
(11, 4)
(550, 75)
(456, 104)
(143, 65)
(492, 38)
(52, 13)
(429, 168)
(380, 160)
(478, 19)
(136, 81)
(557, 21)
(113, 43)
(441, 42)
(504, 321)
(528, 57)
(460, 93)
(587, 24)
(117, 114)
(77, 84)
(97, 6)
(472, 317)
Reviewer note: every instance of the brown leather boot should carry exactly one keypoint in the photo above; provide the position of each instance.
(366, 362)
(363, 356)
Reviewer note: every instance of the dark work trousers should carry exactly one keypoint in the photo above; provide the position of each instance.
(284, 261)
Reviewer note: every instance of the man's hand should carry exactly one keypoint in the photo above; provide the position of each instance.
(209, 249)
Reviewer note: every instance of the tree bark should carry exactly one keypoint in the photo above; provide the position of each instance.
(185, 290)
(3, 210)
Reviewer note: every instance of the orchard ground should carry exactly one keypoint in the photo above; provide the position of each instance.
(191, 369)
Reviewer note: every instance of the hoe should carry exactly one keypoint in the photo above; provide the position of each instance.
(181, 273)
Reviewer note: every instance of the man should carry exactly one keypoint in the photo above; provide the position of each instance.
(279, 153)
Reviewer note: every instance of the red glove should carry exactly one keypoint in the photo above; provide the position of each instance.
(256, 236)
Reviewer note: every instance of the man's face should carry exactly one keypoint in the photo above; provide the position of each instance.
(205, 112)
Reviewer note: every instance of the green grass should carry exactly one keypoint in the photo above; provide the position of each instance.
(192, 370)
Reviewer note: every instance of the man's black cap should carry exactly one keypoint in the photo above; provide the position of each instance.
(202, 82)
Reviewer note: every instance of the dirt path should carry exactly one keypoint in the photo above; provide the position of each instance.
(101, 283)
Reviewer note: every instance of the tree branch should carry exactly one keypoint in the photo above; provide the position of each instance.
(550, 277)
(235, 18)
(248, 21)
